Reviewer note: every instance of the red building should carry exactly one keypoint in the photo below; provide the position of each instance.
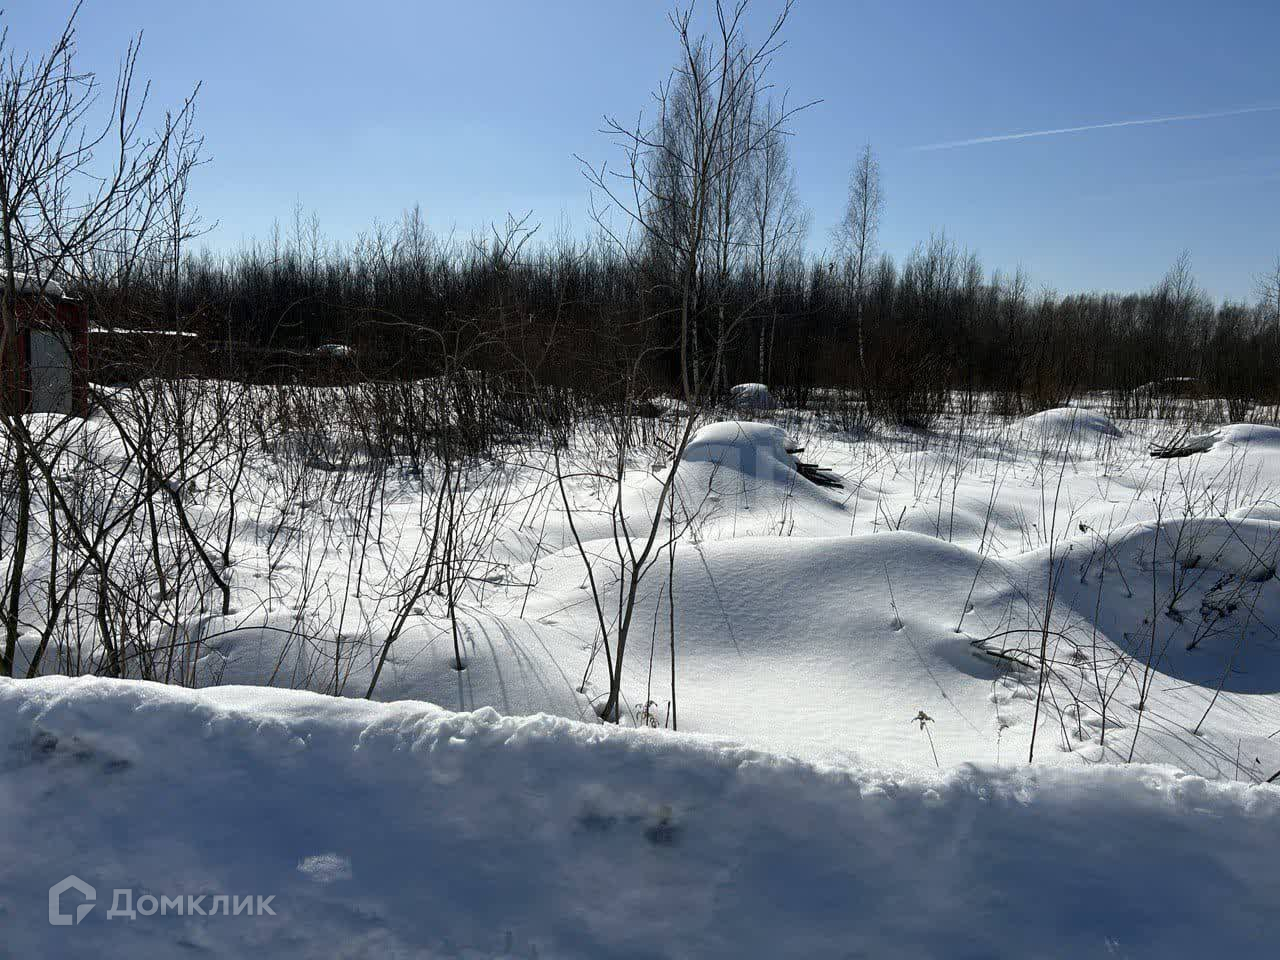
(48, 370)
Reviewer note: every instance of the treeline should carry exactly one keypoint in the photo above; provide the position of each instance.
(406, 303)
(695, 278)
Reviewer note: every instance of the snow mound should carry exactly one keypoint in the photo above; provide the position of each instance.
(405, 830)
(825, 647)
(1069, 423)
(514, 666)
(1253, 435)
(1243, 548)
(1218, 598)
(1257, 511)
(751, 396)
(1246, 549)
(739, 480)
(754, 449)
(774, 632)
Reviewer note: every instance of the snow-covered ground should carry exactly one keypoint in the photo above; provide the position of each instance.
(403, 830)
(860, 674)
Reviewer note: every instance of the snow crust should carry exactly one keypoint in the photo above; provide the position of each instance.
(401, 829)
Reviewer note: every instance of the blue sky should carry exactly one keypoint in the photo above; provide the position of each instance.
(358, 110)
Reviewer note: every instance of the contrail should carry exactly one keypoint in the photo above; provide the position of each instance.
(1095, 126)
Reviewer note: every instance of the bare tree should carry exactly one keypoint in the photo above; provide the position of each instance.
(1267, 286)
(71, 186)
(681, 195)
(684, 176)
(777, 225)
(856, 238)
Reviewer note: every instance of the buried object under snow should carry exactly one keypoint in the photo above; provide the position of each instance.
(751, 396)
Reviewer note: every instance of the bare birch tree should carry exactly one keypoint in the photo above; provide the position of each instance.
(777, 225)
(857, 237)
(680, 196)
(1267, 286)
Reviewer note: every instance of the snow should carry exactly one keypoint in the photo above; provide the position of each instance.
(1257, 511)
(338, 351)
(816, 623)
(402, 829)
(751, 396)
(810, 622)
(742, 466)
(751, 448)
(30, 283)
(515, 665)
(121, 331)
(1038, 589)
(738, 480)
(1168, 386)
(1070, 422)
(1253, 435)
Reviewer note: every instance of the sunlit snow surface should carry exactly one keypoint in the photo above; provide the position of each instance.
(402, 830)
(861, 675)
(810, 621)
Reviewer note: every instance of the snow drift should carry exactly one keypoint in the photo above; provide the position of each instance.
(405, 830)
(1069, 423)
(751, 396)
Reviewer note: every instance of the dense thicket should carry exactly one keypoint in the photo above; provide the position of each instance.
(572, 315)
